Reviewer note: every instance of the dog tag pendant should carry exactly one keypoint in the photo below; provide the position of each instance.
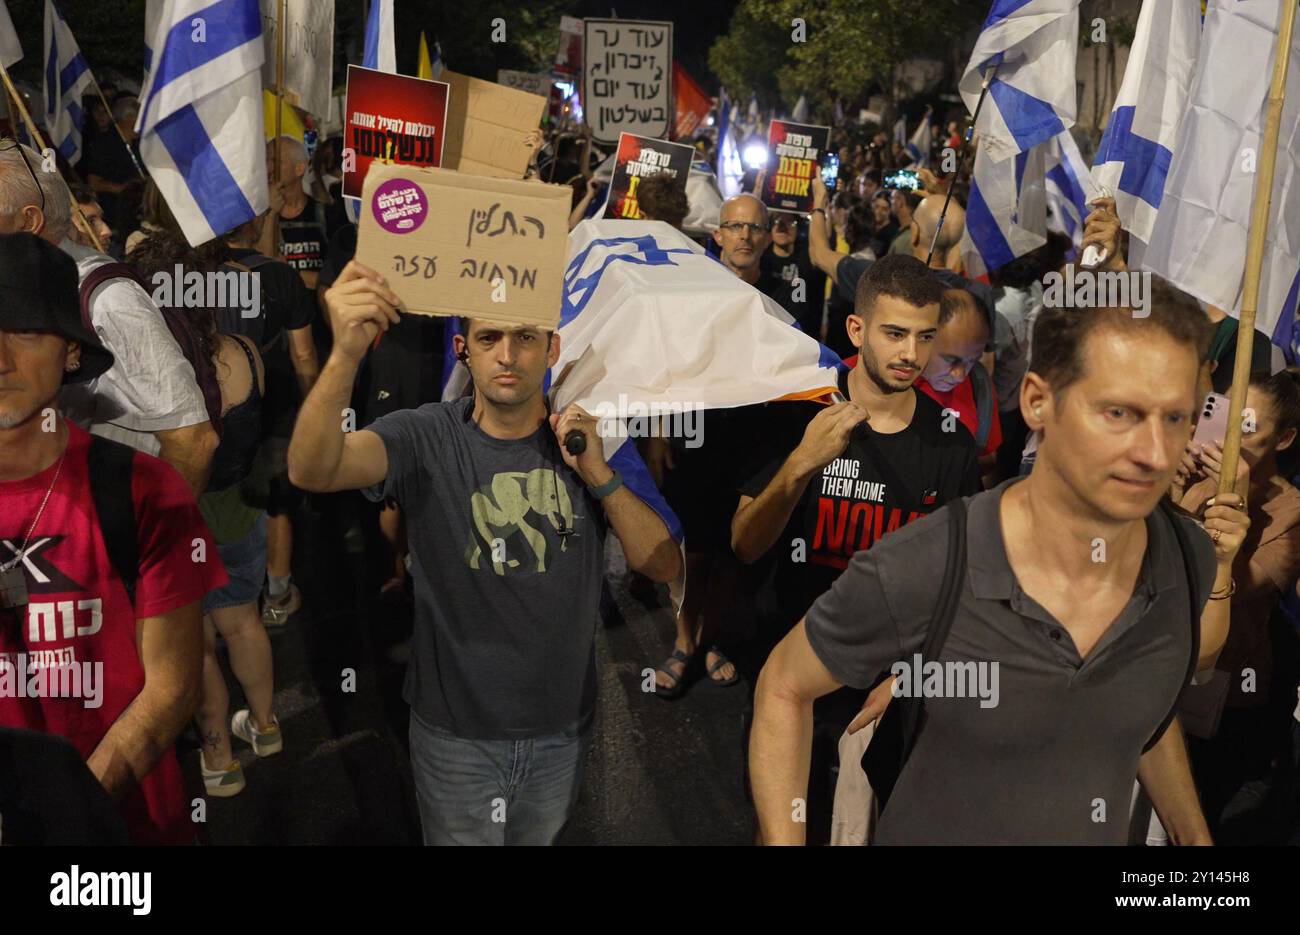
(13, 588)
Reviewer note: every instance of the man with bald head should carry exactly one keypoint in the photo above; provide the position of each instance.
(743, 234)
(297, 232)
(954, 377)
(925, 220)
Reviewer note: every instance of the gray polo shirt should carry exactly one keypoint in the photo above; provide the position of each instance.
(1059, 750)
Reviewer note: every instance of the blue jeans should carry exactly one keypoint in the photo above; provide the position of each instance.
(494, 791)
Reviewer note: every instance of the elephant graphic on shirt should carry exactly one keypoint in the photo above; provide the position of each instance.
(502, 508)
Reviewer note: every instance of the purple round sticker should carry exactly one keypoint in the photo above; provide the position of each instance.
(400, 206)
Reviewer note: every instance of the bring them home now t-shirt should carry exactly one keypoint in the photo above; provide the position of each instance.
(505, 606)
(879, 484)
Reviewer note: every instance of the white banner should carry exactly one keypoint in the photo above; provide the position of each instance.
(308, 52)
(627, 78)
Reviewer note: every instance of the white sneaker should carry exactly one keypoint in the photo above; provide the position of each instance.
(277, 613)
(222, 783)
(264, 742)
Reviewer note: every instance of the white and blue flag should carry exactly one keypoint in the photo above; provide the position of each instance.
(11, 51)
(1201, 231)
(1068, 186)
(1006, 210)
(1138, 145)
(730, 168)
(200, 108)
(380, 47)
(922, 141)
(1033, 96)
(67, 78)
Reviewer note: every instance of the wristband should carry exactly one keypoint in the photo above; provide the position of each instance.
(607, 488)
(815, 210)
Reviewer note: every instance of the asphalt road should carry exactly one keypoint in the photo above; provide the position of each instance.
(658, 772)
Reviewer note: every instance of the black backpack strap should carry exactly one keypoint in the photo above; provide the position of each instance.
(945, 611)
(110, 465)
(1193, 592)
(982, 389)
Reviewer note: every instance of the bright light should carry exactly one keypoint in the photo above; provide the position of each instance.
(566, 89)
(755, 155)
(708, 121)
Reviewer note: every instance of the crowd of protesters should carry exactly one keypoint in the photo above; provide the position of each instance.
(154, 455)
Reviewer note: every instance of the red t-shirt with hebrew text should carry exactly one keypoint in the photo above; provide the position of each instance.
(78, 613)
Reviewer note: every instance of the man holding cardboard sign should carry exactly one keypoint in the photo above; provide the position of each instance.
(507, 539)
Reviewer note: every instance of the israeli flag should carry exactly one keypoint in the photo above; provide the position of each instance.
(380, 49)
(11, 51)
(67, 78)
(800, 112)
(1138, 145)
(200, 119)
(1199, 239)
(1033, 96)
(730, 168)
(1006, 211)
(919, 146)
(1068, 186)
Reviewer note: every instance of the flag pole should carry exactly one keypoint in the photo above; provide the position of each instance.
(1259, 214)
(970, 133)
(40, 142)
(279, 87)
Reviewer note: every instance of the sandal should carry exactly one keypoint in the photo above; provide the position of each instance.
(722, 661)
(679, 681)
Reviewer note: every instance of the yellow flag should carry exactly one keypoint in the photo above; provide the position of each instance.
(425, 68)
(291, 123)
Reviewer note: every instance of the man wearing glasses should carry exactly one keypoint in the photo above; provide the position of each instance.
(743, 234)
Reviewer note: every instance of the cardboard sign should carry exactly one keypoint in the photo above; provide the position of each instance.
(308, 52)
(486, 126)
(455, 244)
(527, 81)
(627, 79)
(391, 118)
(794, 154)
(637, 157)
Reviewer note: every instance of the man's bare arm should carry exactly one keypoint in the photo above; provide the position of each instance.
(780, 742)
(171, 650)
(820, 251)
(1166, 775)
(189, 450)
(302, 354)
(322, 456)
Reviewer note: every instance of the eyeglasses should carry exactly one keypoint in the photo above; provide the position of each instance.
(736, 227)
(8, 142)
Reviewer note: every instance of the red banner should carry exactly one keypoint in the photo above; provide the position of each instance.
(392, 118)
(693, 105)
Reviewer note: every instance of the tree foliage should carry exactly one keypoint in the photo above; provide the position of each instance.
(849, 47)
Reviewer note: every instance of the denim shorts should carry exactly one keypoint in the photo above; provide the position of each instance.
(245, 563)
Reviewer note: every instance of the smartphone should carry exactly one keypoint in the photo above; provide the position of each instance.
(831, 171)
(1213, 425)
(902, 178)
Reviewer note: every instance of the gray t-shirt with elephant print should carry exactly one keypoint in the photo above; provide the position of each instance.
(505, 606)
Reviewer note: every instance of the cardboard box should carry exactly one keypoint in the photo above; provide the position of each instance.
(456, 244)
(486, 126)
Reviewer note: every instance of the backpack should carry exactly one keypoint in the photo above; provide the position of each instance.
(898, 728)
(205, 372)
(110, 467)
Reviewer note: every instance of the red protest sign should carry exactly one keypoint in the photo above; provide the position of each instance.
(794, 153)
(637, 157)
(393, 119)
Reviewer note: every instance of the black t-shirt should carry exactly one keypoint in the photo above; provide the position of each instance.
(774, 287)
(287, 305)
(302, 238)
(799, 264)
(880, 483)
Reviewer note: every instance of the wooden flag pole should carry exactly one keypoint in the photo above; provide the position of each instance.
(40, 142)
(1259, 214)
(279, 87)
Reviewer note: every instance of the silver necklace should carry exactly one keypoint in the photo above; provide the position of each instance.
(22, 549)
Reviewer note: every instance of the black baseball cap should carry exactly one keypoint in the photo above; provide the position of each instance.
(39, 292)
